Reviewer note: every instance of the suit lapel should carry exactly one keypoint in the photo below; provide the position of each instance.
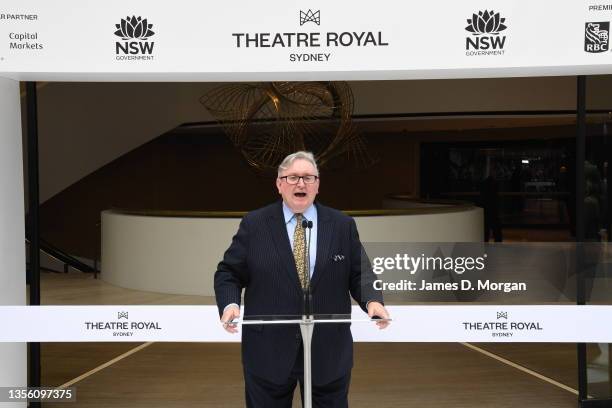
(278, 229)
(325, 232)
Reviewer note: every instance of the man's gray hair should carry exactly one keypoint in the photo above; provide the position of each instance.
(301, 155)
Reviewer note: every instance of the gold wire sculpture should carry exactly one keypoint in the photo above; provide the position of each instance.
(267, 121)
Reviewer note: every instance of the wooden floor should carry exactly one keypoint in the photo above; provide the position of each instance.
(209, 375)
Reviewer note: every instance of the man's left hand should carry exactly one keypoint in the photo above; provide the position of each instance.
(377, 309)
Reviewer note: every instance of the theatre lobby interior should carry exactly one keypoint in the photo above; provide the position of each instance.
(143, 185)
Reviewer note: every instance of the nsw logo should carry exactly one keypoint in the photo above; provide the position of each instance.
(597, 36)
(486, 37)
(134, 33)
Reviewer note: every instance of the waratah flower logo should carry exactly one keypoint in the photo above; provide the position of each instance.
(486, 22)
(133, 27)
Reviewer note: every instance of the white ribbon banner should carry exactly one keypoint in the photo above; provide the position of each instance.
(451, 323)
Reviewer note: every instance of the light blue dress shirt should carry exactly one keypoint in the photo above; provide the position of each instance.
(309, 215)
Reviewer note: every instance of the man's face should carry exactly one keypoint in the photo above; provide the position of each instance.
(300, 196)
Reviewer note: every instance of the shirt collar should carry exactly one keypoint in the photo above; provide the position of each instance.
(310, 214)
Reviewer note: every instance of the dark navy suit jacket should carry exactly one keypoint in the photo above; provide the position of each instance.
(260, 260)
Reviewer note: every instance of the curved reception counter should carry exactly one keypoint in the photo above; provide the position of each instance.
(178, 252)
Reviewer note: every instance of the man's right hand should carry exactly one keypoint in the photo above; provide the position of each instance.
(231, 313)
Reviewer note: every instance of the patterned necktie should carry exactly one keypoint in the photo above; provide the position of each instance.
(299, 249)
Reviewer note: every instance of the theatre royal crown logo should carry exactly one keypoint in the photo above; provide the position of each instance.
(487, 35)
(135, 45)
(310, 16)
(597, 36)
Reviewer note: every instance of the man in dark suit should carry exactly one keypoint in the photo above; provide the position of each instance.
(266, 258)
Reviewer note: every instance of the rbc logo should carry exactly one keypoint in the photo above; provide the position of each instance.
(597, 36)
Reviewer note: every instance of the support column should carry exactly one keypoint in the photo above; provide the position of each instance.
(580, 225)
(13, 370)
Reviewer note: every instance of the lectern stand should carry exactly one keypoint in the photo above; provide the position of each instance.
(307, 323)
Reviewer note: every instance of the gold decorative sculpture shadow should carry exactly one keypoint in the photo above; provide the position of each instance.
(267, 121)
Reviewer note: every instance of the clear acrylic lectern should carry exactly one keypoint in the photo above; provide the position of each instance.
(306, 323)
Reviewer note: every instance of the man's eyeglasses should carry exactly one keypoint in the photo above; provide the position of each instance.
(296, 179)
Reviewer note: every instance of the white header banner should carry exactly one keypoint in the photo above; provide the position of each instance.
(536, 323)
(293, 40)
